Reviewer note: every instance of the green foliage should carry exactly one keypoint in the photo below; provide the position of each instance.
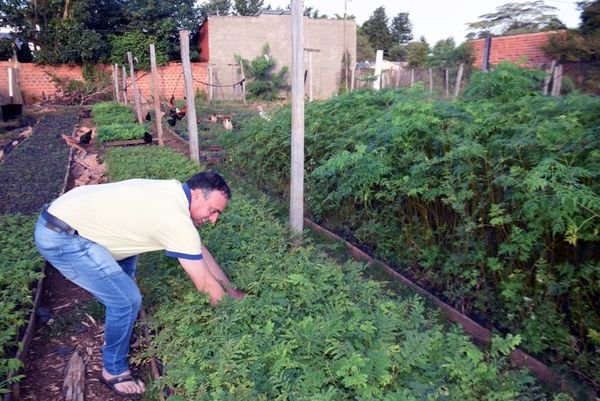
(78, 32)
(416, 53)
(148, 162)
(20, 269)
(112, 113)
(516, 18)
(247, 7)
(264, 84)
(137, 43)
(493, 200)
(377, 30)
(120, 132)
(308, 328)
(505, 83)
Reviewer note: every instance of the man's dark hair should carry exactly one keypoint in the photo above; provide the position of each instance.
(208, 181)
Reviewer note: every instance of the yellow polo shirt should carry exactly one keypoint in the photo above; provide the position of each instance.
(132, 217)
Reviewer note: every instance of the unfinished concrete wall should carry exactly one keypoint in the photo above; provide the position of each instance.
(245, 36)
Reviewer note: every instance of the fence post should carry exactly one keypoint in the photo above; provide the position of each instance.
(157, 113)
(430, 80)
(447, 76)
(459, 75)
(243, 84)
(115, 75)
(557, 80)
(136, 93)
(184, 41)
(297, 143)
(548, 77)
(124, 74)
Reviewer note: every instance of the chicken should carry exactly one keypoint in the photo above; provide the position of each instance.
(85, 138)
(147, 138)
(175, 112)
(227, 124)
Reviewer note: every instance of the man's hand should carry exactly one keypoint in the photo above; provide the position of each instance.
(233, 293)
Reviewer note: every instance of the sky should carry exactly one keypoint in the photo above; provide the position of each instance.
(434, 19)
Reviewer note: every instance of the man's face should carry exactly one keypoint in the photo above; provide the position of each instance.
(207, 208)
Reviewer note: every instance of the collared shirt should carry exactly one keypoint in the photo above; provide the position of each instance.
(132, 217)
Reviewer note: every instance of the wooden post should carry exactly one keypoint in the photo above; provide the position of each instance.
(557, 80)
(412, 77)
(136, 93)
(459, 75)
(124, 72)
(310, 77)
(210, 83)
(243, 82)
(15, 81)
(548, 78)
(447, 77)
(157, 113)
(115, 75)
(352, 80)
(184, 41)
(297, 167)
(430, 80)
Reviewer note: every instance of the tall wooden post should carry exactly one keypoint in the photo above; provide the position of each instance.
(184, 44)
(557, 80)
(115, 75)
(210, 84)
(548, 77)
(430, 80)
(412, 77)
(157, 113)
(297, 168)
(124, 72)
(136, 93)
(447, 78)
(243, 84)
(459, 75)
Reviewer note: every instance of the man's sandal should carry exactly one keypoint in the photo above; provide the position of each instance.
(111, 384)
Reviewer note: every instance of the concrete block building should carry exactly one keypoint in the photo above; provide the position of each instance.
(224, 37)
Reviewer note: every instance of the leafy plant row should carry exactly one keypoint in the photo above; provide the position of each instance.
(308, 329)
(20, 269)
(116, 122)
(492, 201)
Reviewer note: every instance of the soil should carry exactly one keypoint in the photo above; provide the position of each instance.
(70, 320)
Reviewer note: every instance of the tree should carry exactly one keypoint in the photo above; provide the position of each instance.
(364, 50)
(215, 7)
(377, 31)
(247, 7)
(401, 29)
(264, 82)
(590, 18)
(515, 18)
(417, 53)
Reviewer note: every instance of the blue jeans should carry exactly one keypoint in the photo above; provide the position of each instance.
(93, 268)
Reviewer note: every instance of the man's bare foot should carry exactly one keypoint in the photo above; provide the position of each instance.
(123, 384)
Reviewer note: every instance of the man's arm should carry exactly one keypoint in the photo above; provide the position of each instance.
(218, 274)
(203, 279)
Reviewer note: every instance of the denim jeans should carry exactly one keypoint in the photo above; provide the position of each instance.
(91, 266)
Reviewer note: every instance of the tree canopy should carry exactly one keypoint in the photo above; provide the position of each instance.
(516, 18)
(85, 31)
(382, 34)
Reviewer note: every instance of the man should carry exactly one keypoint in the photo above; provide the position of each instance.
(94, 234)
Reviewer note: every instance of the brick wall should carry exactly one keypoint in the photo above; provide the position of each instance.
(35, 83)
(524, 50)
